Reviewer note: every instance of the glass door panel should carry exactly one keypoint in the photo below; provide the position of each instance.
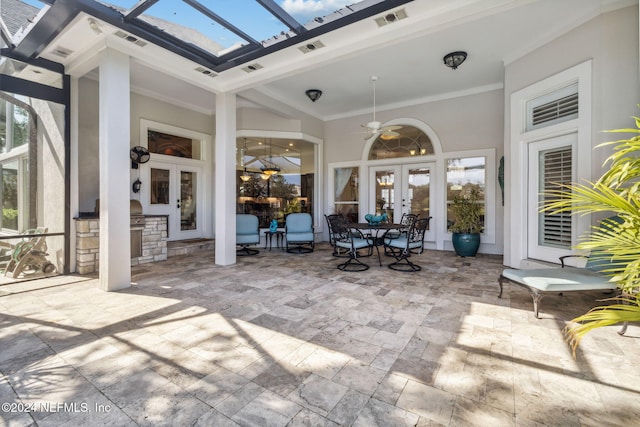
(416, 186)
(188, 200)
(160, 185)
(174, 191)
(385, 193)
(383, 190)
(416, 195)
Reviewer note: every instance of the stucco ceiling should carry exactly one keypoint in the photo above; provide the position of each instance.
(406, 55)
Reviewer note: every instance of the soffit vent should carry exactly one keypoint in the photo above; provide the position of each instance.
(61, 52)
(566, 107)
(130, 38)
(310, 47)
(390, 18)
(206, 71)
(251, 68)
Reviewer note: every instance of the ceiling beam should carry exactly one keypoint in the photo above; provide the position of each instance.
(138, 9)
(232, 59)
(282, 15)
(229, 26)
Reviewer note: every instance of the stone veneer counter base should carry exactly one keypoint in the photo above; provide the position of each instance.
(154, 243)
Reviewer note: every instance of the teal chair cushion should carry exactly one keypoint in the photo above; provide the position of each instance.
(299, 228)
(247, 231)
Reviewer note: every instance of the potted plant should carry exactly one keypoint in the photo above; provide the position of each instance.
(467, 211)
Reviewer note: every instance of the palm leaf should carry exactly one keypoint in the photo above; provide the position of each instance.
(627, 311)
(618, 242)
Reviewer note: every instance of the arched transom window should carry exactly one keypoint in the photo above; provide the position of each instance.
(400, 141)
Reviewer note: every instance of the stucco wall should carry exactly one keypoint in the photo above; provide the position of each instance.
(610, 41)
(141, 107)
(461, 124)
(51, 176)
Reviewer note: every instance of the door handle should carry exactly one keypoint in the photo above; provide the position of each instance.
(178, 203)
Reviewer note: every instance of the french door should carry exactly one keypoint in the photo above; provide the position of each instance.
(175, 190)
(400, 189)
(551, 164)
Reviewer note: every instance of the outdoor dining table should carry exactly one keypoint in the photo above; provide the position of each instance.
(377, 232)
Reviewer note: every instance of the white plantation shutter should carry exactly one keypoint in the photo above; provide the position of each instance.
(556, 107)
(563, 108)
(555, 169)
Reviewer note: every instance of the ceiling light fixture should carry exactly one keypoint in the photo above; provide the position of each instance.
(314, 94)
(454, 59)
(93, 24)
(243, 152)
(245, 176)
(269, 167)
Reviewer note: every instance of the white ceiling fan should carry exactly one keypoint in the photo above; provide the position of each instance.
(374, 127)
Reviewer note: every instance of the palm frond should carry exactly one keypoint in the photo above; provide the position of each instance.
(627, 311)
(616, 241)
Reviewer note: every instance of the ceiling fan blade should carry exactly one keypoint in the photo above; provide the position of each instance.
(372, 134)
(391, 128)
(390, 134)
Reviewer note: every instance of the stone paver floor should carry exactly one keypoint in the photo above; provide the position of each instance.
(288, 340)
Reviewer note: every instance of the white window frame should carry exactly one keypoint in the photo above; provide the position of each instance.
(488, 234)
(318, 219)
(516, 177)
(205, 194)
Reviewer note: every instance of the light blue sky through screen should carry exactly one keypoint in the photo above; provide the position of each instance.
(247, 15)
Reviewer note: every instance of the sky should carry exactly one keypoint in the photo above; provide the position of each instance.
(244, 14)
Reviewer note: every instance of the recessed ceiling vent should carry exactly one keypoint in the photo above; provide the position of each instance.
(62, 52)
(310, 47)
(206, 71)
(130, 38)
(390, 18)
(251, 68)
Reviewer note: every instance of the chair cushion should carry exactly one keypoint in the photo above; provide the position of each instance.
(299, 237)
(247, 239)
(560, 279)
(358, 243)
(298, 222)
(400, 242)
(247, 232)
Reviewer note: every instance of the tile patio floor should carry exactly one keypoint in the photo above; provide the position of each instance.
(288, 340)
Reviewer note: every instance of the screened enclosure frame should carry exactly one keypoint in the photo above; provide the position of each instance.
(61, 96)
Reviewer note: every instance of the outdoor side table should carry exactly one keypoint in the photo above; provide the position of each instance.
(268, 239)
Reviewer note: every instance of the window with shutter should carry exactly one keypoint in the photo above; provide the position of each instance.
(556, 107)
(555, 171)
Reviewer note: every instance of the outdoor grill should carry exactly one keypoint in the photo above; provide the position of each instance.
(136, 225)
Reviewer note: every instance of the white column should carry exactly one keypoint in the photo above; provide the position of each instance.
(115, 245)
(224, 179)
(74, 196)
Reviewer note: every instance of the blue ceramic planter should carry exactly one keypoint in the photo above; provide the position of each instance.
(466, 244)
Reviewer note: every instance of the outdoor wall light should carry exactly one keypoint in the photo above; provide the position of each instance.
(454, 59)
(314, 94)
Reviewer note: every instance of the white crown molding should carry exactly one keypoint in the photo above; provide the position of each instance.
(420, 101)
